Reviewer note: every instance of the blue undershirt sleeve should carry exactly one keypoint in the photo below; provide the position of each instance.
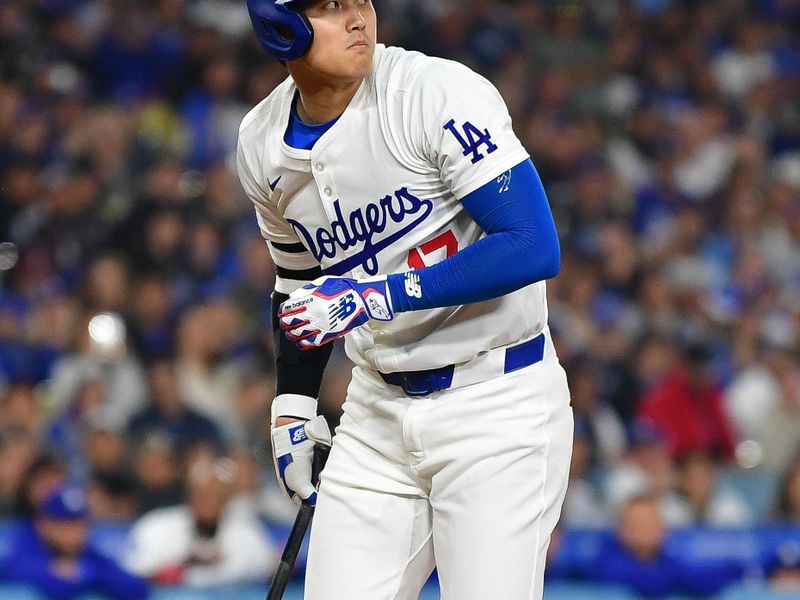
(521, 247)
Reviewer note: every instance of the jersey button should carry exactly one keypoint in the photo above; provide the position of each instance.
(319, 167)
(328, 191)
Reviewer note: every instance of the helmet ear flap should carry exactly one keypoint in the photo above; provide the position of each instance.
(284, 32)
(281, 27)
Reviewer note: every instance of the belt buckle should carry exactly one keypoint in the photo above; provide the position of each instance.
(412, 388)
(441, 379)
(427, 382)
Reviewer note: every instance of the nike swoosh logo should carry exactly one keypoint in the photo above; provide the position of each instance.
(272, 184)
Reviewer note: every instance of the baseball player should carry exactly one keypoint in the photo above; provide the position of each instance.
(404, 215)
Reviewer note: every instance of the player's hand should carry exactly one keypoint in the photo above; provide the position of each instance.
(330, 307)
(293, 452)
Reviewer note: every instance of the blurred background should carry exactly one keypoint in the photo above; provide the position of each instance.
(135, 341)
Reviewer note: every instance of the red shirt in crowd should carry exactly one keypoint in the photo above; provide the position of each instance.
(689, 414)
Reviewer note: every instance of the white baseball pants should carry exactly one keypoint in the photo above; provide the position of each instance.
(470, 479)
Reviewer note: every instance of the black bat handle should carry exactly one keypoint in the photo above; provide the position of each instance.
(321, 452)
(283, 572)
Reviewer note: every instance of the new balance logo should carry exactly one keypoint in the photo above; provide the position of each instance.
(298, 434)
(342, 309)
(413, 287)
(472, 140)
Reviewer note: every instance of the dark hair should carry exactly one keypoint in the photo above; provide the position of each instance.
(45, 461)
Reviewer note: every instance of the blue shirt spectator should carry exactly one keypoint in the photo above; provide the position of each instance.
(51, 553)
(637, 559)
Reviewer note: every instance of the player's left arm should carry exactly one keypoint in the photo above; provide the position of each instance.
(467, 132)
(521, 247)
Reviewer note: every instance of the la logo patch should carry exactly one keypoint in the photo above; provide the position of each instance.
(472, 139)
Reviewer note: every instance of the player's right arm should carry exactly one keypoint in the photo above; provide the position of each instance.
(295, 426)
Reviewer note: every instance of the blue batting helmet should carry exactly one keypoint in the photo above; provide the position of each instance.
(282, 29)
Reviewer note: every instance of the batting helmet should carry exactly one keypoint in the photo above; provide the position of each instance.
(282, 29)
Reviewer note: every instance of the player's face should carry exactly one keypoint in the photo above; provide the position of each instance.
(344, 38)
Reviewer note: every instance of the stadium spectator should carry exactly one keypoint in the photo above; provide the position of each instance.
(112, 497)
(603, 428)
(102, 358)
(157, 473)
(105, 447)
(17, 454)
(686, 406)
(702, 500)
(110, 484)
(782, 568)
(584, 505)
(53, 555)
(211, 540)
(19, 409)
(44, 473)
(168, 414)
(774, 421)
(67, 431)
(646, 469)
(208, 375)
(151, 317)
(637, 558)
(787, 507)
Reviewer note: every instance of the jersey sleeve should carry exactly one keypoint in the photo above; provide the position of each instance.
(294, 264)
(465, 127)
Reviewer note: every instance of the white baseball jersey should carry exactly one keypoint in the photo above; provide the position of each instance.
(379, 194)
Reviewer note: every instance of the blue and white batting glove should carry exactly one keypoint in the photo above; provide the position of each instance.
(293, 453)
(330, 307)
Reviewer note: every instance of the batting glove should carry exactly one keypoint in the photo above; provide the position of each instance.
(330, 307)
(293, 445)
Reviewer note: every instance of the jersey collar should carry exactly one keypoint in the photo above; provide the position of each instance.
(359, 100)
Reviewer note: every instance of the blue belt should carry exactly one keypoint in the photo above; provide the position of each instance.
(422, 383)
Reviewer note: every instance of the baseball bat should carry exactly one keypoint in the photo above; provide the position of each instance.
(283, 572)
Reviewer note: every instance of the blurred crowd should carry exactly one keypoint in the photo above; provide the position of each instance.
(135, 336)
